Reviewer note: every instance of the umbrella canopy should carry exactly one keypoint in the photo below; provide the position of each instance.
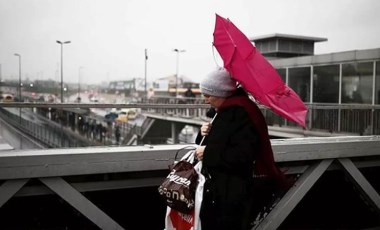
(247, 66)
(111, 116)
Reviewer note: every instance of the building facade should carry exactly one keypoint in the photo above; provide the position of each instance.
(351, 77)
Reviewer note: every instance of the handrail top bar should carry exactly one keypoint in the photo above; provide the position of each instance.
(161, 105)
(97, 160)
(324, 140)
(337, 106)
(101, 105)
(174, 147)
(91, 150)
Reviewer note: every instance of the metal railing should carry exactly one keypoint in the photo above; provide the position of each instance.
(66, 172)
(358, 119)
(50, 133)
(328, 118)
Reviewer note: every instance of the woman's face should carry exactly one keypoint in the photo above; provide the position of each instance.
(214, 101)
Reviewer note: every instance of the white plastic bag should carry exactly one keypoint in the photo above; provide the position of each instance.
(168, 221)
(175, 220)
(198, 196)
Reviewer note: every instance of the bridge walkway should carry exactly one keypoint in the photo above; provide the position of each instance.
(75, 174)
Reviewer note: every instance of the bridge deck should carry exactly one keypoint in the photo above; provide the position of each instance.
(72, 173)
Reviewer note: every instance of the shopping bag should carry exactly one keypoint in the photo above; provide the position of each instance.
(178, 188)
(175, 220)
(198, 196)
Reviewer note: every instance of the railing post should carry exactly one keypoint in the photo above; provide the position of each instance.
(372, 122)
(174, 132)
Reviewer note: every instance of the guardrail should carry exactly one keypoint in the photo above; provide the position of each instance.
(66, 172)
(50, 133)
(332, 118)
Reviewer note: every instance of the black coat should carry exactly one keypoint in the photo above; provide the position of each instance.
(231, 148)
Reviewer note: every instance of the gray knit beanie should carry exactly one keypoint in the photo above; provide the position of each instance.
(218, 83)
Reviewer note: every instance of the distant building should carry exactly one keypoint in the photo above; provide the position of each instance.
(131, 87)
(285, 45)
(351, 77)
(166, 86)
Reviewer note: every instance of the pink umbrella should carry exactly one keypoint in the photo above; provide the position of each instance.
(247, 66)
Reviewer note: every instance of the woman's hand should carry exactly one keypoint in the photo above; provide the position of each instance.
(205, 128)
(199, 152)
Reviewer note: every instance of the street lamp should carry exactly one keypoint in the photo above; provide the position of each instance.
(19, 75)
(176, 76)
(79, 75)
(61, 43)
(19, 91)
(146, 60)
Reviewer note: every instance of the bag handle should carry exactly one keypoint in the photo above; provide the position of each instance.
(179, 150)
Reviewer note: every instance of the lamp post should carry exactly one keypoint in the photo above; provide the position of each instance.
(19, 75)
(79, 75)
(176, 76)
(19, 91)
(62, 43)
(146, 62)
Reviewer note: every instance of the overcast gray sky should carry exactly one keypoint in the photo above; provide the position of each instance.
(108, 37)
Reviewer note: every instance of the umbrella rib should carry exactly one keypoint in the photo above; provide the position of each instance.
(229, 35)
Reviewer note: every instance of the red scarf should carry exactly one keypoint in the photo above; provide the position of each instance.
(265, 164)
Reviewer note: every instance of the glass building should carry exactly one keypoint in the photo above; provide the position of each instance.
(351, 77)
